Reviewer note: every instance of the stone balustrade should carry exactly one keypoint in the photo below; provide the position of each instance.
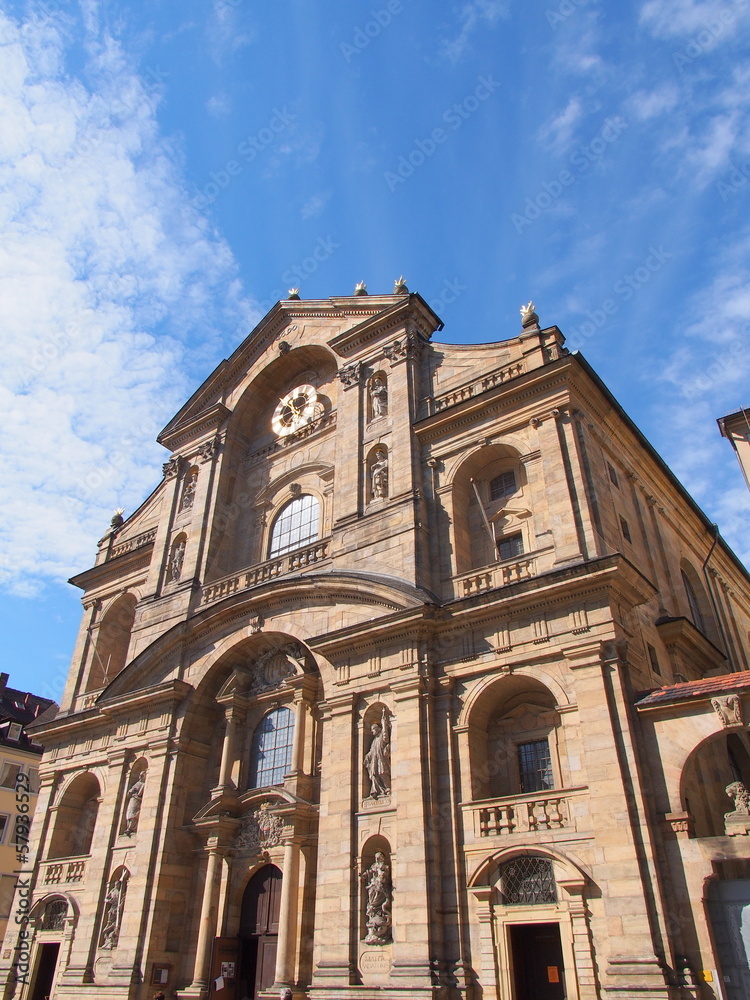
(293, 562)
(464, 392)
(146, 538)
(490, 577)
(62, 871)
(535, 812)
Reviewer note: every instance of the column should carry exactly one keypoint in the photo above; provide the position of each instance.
(286, 951)
(207, 926)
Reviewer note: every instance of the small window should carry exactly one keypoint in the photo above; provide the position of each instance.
(625, 529)
(295, 526)
(612, 475)
(535, 766)
(653, 659)
(8, 774)
(503, 485)
(14, 731)
(4, 820)
(7, 888)
(529, 880)
(510, 546)
(271, 755)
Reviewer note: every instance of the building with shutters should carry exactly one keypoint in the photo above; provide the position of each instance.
(417, 675)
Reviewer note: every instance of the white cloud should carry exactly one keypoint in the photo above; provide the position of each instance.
(106, 271)
(558, 133)
(315, 205)
(218, 105)
(227, 29)
(680, 18)
(471, 16)
(646, 104)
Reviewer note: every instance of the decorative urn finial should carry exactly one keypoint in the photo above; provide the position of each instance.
(399, 286)
(360, 288)
(528, 315)
(294, 293)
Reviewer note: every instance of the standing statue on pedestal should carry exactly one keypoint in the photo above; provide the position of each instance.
(133, 811)
(378, 758)
(178, 557)
(377, 882)
(379, 397)
(379, 475)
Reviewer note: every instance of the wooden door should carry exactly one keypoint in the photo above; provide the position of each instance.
(538, 972)
(259, 929)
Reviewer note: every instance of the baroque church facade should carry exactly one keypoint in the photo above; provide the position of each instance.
(418, 675)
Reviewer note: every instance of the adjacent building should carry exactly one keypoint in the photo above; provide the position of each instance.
(19, 782)
(418, 674)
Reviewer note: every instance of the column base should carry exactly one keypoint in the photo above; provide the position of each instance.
(195, 991)
(637, 979)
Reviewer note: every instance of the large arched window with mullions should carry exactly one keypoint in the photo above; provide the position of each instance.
(271, 753)
(296, 524)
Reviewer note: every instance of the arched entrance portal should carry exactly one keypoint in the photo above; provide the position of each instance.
(259, 930)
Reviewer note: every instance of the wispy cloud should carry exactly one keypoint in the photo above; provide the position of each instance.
(107, 272)
(679, 18)
(218, 105)
(315, 205)
(646, 104)
(471, 17)
(558, 133)
(228, 30)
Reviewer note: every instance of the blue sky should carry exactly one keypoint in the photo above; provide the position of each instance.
(167, 171)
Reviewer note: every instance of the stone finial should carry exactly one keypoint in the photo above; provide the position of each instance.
(360, 288)
(293, 293)
(528, 315)
(117, 519)
(399, 286)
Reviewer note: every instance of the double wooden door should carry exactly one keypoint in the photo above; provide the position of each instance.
(259, 931)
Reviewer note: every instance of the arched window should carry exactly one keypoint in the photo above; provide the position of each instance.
(271, 754)
(694, 604)
(503, 485)
(528, 881)
(296, 525)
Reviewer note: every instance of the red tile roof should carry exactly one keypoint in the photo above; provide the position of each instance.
(707, 687)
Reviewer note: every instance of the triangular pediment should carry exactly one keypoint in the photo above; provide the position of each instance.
(349, 324)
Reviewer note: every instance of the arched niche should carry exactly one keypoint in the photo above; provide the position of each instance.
(112, 642)
(713, 765)
(75, 818)
(488, 489)
(378, 473)
(514, 739)
(176, 559)
(113, 907)
(135, 787)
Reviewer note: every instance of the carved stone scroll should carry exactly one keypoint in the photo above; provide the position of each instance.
(729, 710)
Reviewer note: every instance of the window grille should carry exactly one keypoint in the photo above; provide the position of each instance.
(528, 881)
(535, 766)
(54, 915)
(510, 546)
(503, 485)
(271, 754)
(295, 526)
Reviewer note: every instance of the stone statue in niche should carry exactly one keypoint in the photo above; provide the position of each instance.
(113, 913)
(133, 810)
(178, 557)
(188, 496)
(737, 823)
(379, 474)
(379, 397)
(377, 883)
(378, 758)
